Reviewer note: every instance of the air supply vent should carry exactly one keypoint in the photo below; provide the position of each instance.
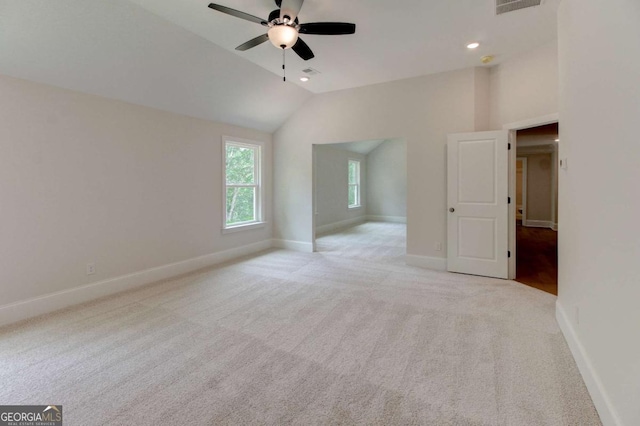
(504, 6)
(310, 71)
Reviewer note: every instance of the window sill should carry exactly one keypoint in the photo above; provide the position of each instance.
(245, 227)
(354, 207)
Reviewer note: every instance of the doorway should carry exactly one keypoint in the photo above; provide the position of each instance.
(536, 207)
(359, 197)
(482, 219)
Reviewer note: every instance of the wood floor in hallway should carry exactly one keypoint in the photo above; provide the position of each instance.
(537, 258)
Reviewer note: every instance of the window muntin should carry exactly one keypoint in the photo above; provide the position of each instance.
(242, 190)
(354, 183)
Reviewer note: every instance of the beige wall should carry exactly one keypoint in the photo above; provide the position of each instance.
(482, 107)
(332, 180)
(539, 186)
(421, 110)
(85, 179)
(599, 233)
(387, 180)
(524, 87)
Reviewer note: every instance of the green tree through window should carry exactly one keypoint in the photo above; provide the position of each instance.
(242, 172)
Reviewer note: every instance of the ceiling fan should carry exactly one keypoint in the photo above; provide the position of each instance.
(284, 27)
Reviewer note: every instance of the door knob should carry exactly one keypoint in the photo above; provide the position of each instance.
(451, 209)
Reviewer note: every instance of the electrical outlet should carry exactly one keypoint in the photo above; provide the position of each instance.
(91, 268)
(438, 246)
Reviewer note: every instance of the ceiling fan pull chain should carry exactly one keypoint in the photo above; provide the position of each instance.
(284, 71)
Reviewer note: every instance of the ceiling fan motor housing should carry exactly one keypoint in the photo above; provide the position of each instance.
(283, 30)
(274, 18)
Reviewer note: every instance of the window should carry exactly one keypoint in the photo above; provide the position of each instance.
(354, 183)
(243, 184)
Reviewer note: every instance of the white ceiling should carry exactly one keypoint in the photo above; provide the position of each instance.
(178, 55)
(393, 40)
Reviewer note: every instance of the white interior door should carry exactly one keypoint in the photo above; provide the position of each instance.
(478, 194)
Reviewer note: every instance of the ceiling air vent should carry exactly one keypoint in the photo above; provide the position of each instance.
(504, 6)
(310, 71)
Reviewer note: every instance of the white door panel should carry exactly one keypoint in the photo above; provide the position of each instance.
(478, 183)
(482, 246)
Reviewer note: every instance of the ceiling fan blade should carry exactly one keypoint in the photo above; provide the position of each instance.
(328, 28)
(290, 8)
(303, 50)
(253, 42)
(237, 14)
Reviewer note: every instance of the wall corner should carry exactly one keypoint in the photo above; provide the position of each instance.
(481, 95)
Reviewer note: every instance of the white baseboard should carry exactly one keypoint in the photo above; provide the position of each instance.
(47, 303)
(601, 400)
(392, 219)
(293, 245)
(436, 263)
(540, 224)
(340, 225)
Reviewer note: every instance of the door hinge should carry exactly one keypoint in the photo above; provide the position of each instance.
(509, 146)
(508, 200)
(509, 253)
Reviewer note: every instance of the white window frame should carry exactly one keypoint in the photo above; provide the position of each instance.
(259, 201)
(358, 185)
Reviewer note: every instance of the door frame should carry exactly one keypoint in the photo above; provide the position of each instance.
(513, 128)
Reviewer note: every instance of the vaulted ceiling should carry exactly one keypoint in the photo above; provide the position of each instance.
(119, 50)
(179, 55)
(393, 40)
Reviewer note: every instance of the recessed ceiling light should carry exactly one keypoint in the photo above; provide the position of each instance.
(304, 79)
(473, 45)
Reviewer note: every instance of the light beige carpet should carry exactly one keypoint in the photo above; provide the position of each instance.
(336, 337)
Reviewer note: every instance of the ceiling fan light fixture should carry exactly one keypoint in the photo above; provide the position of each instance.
(283, 35)
(283, 28)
